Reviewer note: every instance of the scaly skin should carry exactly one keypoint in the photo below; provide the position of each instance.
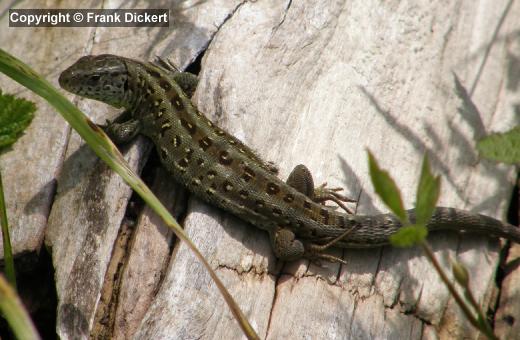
(221, 170)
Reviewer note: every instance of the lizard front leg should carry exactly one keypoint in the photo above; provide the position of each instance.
(122, 132)
(301, 179)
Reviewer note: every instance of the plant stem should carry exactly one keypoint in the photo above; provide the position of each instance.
(8, 252)
(458, 299)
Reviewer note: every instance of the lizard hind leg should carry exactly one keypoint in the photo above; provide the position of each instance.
(301, 179)
(285, 245)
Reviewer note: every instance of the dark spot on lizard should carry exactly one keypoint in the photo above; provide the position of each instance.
(149, 91)
(325, 214)
(227, 186)
(205, 143)
(289, 198)
(176, 101)
(188, 126)
(183, 163)
(307, 205)
(177, 141)
(277, 212)
(165, 85)
(272, 189)
(200, 162)
(243, 194)
(165, 127)
(224, 158)
(164, 153)
(211, 174)
(189, 152)
(154, 73)
(161, 112)
(248, 174)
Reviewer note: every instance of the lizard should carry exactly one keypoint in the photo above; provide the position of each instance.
(221, 170)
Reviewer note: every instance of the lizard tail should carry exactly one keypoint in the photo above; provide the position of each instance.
(374, 231)
(467, 222)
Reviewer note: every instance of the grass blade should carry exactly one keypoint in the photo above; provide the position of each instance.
(15, 313)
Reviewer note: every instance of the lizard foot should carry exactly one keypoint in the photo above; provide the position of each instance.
(315, 251)
(323, 194)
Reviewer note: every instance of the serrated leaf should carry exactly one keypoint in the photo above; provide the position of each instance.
(386, 188)
(501, 147)
(427, 194)
(15, 115)
(409, 236)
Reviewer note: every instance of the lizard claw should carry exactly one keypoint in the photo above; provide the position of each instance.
(315, 258)
(323, 194)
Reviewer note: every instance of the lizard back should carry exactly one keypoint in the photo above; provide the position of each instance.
(221, 170)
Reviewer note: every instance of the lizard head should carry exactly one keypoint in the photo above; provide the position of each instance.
(103, 77)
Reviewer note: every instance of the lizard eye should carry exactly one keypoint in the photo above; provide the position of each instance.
(95, 78)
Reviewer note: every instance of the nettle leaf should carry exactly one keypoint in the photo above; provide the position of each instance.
(409, 236)
(501, 147)
(15, 115)
(427, 194)
(386, 188)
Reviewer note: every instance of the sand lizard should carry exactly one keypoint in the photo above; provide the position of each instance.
(224, 172)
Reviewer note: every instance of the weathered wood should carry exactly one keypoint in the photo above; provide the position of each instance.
(29, 169)
(316, 84)
(148, 257)
(302, 82)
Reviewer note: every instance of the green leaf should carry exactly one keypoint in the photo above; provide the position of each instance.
(427, 194)
(409, 236)
(386, 188)
(501, 147)
(15, 115)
